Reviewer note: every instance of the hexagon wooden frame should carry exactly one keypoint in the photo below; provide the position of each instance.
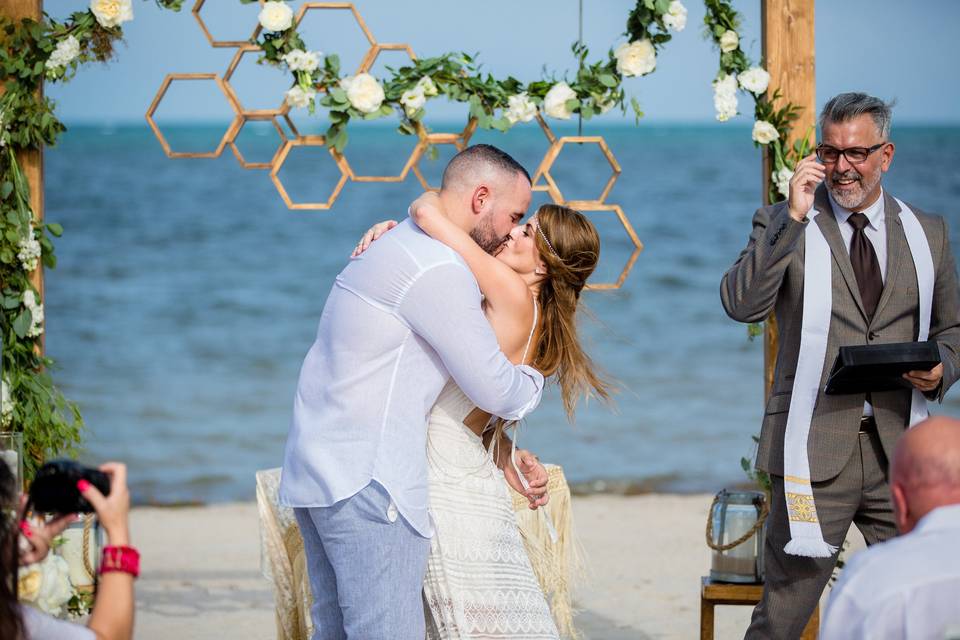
(209, 36)
(631, 235)
(246, 164)
(251, 113)
(281, 157)
(162, 91)
(459, 140)
(551, 157)
(310, 6)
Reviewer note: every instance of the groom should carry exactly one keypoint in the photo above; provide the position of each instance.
(400, 321)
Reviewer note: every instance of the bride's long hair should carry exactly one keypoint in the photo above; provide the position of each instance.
(569, 245)
(11, 623)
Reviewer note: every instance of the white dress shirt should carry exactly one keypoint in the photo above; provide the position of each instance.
(876, 232)
(400, 320)
(905, 588)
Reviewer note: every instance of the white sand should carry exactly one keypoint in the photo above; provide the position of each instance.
(201, 576)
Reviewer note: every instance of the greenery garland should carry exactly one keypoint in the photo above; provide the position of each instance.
(32, 52)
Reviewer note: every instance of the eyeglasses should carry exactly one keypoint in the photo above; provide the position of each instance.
(854, 155)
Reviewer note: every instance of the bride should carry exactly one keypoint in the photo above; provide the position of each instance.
(479, 581)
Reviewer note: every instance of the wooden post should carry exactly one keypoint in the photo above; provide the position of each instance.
(31, 160)
(788, 52)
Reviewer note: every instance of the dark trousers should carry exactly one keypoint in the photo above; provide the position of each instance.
(860, 494)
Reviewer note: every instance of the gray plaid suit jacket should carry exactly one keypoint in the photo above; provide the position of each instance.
(768, 276)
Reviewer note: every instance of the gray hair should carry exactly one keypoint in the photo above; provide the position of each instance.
(848, 106)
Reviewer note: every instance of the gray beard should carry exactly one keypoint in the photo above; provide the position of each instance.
(853, 200)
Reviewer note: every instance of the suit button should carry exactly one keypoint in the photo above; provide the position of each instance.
(392, 512)
(872, 335)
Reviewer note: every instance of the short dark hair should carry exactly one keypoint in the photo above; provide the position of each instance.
(471, 158)
(847, 106)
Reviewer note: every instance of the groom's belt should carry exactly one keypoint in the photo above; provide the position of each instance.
(868, 424)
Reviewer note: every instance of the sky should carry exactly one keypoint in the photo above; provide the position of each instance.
(906, 51)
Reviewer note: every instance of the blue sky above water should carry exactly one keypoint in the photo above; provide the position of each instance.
(892, 49)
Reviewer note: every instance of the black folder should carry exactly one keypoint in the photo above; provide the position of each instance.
(880, 367)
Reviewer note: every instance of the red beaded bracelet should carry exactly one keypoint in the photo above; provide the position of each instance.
(124, 559)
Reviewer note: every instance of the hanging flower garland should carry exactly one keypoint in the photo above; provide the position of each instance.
(771, 125)
(495, 104)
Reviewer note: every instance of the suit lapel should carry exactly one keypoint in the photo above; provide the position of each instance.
(831, 231)
(895, 245)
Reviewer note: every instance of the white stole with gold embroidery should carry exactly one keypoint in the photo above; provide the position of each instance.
(806, 538)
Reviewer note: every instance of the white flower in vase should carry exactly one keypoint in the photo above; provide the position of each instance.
(729, 41)
(520, 108)
(364, 92)
(413, 99)
(555, 102)
(764, 132)
(111, 13)
(637, 58)
(298, 97)
(676, 16)
(46, 585)
(276, 16)
(755, 80)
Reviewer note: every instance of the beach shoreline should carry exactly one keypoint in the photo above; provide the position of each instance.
(645, 556)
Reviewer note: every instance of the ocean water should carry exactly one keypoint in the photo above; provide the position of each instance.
(187, 295)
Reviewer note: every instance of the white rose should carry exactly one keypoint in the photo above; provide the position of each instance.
(755, 80)
(298, 97)
(363, 92)
(636, 59)
(111, 13)
(276, 16)
(413, 99)
(56, 589)
(520, 108)
(729, 41)
(65, 53)
(725, 97)
(676, 16)
(555, 102)
(782, 180)
(29, 254)
(29, 581)
(428, 87)
(764, 132)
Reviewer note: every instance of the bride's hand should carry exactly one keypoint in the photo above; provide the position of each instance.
(426, 209)
(536, 476)
(373, 233)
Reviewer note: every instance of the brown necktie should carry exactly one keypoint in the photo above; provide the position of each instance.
(865, 264)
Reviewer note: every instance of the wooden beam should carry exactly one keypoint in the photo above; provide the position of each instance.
(789, 55)
(31, 160)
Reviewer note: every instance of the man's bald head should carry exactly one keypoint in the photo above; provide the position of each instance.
(925, 473)
(485, 192)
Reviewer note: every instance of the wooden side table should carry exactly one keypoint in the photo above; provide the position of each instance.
(714, 593)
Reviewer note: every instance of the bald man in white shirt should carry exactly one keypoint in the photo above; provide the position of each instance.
(909, 587)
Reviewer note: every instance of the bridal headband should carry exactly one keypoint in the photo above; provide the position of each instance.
(547, 240)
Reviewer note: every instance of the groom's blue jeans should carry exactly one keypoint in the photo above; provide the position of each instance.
(366, 566)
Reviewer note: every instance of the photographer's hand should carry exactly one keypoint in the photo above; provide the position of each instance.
(112, 510)
(38, 535)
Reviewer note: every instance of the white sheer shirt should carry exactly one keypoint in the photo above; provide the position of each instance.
(876, 232)
(907, 587)
(400, 320)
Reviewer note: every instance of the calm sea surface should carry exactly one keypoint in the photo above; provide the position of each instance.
(187, 295)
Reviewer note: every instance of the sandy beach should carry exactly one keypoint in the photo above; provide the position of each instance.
(201, 573)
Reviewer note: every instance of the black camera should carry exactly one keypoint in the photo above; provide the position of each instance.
(54, 488)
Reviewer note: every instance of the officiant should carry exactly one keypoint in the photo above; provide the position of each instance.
(841, 262)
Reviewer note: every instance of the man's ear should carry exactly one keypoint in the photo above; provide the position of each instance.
(480, 197)
(901, 509)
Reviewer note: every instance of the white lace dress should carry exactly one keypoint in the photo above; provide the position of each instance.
(479, 581)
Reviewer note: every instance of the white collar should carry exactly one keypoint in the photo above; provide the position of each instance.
(874, 212)
(942, 518)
